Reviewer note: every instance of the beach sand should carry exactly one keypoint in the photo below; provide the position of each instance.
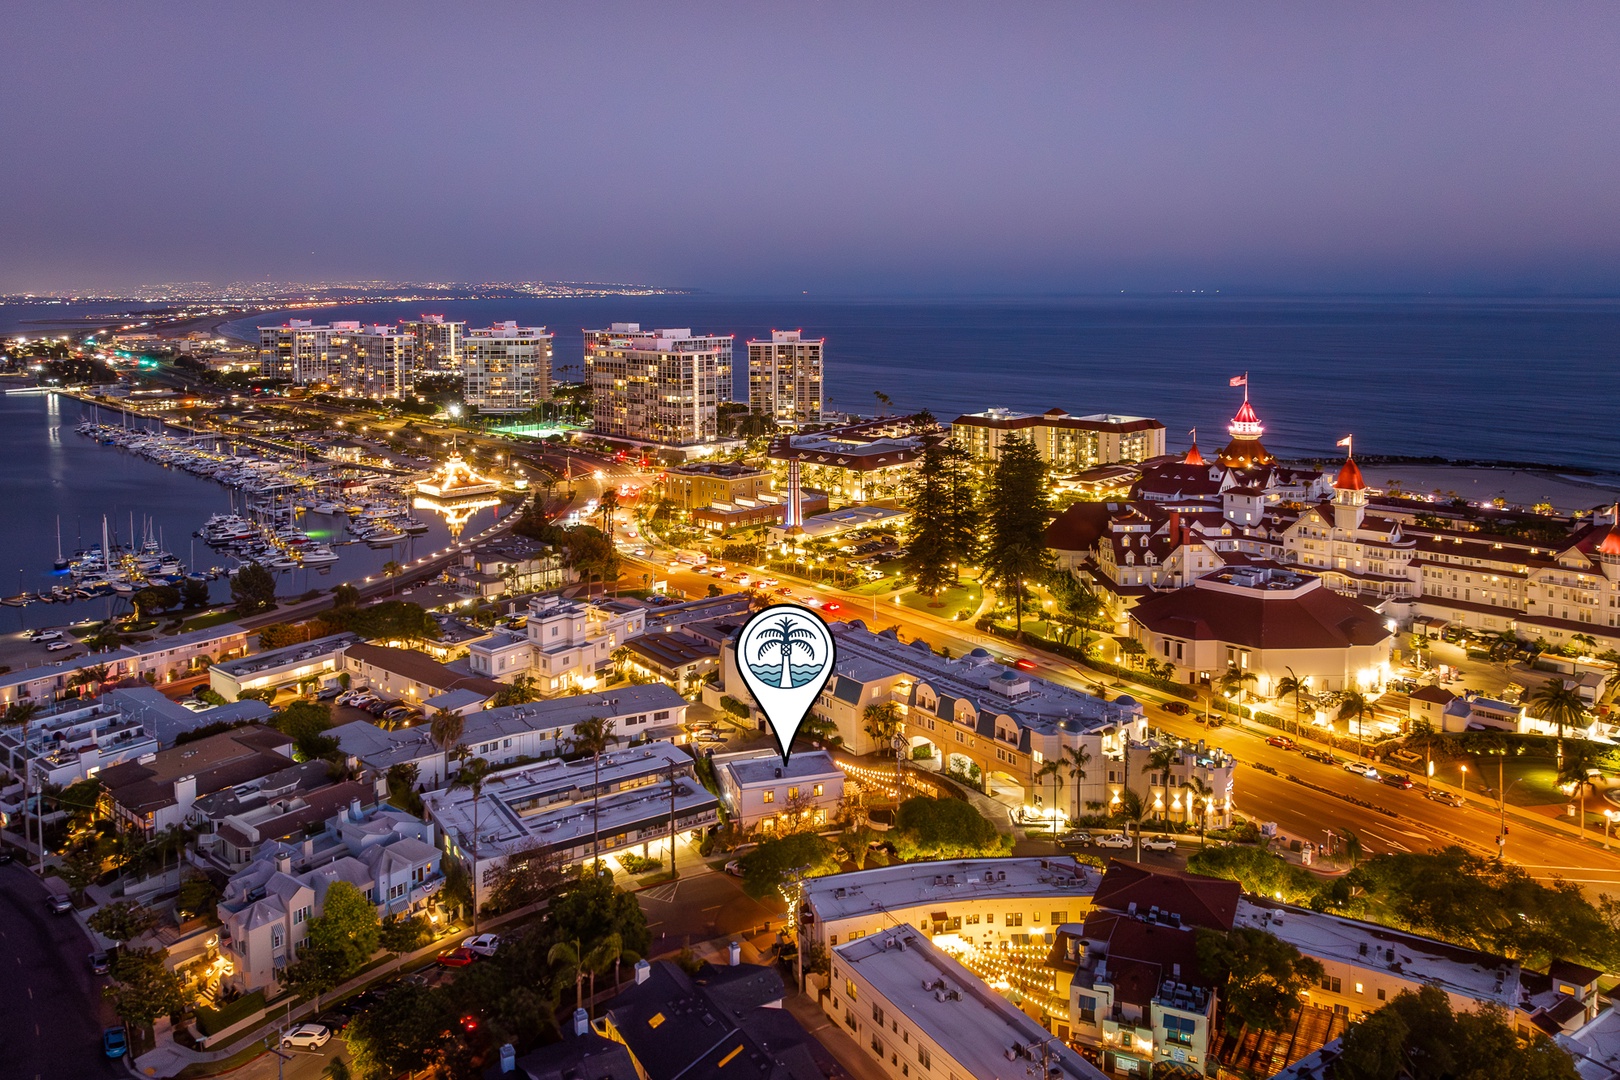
(1520, 487)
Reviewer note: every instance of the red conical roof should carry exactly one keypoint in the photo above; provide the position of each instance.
(1245, 414)
(1193, 456)
(1350, 477)
(1611, 543)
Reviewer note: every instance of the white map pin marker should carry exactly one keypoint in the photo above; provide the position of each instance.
(785, 654)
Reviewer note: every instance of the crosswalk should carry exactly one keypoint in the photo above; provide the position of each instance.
(664, 894)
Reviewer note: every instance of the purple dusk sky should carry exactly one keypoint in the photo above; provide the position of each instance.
(815, 146)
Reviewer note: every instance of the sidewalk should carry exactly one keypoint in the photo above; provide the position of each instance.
(169, 1057)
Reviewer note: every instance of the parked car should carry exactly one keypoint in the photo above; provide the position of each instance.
(1361, 769)
(735, 868)
(1282, 742)
(1444, 798)
(307, 1036)
(482, 944)
(1114, 840)
(1159, 843)
(329, 693)
(1178, 708)
(1077, 838)
(47, 635)
(334, 1021)
(1400, 780)
(114, 1042)
(58, 646)
(99, 964)
(1319, 755)
(457, 958)
(59, 905)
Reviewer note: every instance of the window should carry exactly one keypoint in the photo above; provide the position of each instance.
(1331, 983)
(877, 1046)
(877, 1013)
(924, 1058)
(768, 796)
(990, 917)
(793, 792)
(1380, 993)
(849, 988)
(816, 790)
(1015, 918)
(973, 920)
(1358, 988)
(1088, 1008)
(1059, 918)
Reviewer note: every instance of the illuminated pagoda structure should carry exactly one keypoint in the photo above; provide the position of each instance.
(456, 493)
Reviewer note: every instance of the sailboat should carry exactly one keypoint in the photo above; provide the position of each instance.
(61, 563)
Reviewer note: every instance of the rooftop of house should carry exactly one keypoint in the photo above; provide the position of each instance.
(672, 650)
(166, 719)
(916, 884)
(768, 767)
(1595, 1046)
(586, 1057)
(717, 1024)
(1143, 892)
(977, 1028)
(218, 761)
(291, 656)
(420, 668)
(1468, 973)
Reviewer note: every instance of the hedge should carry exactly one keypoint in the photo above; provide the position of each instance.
(212, 1021)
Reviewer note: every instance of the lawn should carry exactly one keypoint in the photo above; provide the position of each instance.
(1529, 779)
(205, 622)
(966, 596)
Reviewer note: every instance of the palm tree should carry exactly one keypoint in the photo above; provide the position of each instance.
(106, 636)
(1352, 847)
(1075, 759)
(785, 637)
(882, 721)
(593, 736)
(1556, 703)
(1132, 811)
(1290, 685)
(568, 954)
(391, 571)
(95, 677)
(472, 774)
(606, 505)
(1054, 769)
(620, 657)
(610, 950)
(1235, 681)
(445, 728)
(1586, 642)
(1581, 758)
(1355, 704)
(1159, 760)
(1198, 797)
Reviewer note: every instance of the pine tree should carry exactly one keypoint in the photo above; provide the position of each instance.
(1016, 508)
(962, 484)
(929, 548)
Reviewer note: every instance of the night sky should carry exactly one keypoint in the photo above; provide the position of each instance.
(831, 148)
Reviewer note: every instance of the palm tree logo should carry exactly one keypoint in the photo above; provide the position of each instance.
(782, 640)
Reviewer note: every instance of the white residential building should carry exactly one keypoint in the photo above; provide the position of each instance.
(75, 740)
(319, 661)
(784, 377)
(762, 792)
(651, 712)
(438, 342)
(303, 353)
(657, 386)
(507, 367)
(383, 362)
(388, 855)
(565, 647)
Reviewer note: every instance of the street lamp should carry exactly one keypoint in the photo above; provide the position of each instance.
(1465, 782)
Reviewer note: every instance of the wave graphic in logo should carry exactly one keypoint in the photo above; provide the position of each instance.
(798, 674)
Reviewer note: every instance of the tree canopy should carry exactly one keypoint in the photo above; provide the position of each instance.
(253, 589)
(339, 942)
(1417, 1036)
(593, 907)
(773, 863)
(931, 828)
(143, 988)
(1016, 507)
(1259, 975)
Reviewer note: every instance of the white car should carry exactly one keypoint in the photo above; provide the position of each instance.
(482, 944)
(1159, 843)
(1361, 768)
(1115, 840)
(58, 646)
(47, 635)
(307, 1037)
(735, 868)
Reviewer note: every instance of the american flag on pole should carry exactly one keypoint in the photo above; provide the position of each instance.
(1239, 380)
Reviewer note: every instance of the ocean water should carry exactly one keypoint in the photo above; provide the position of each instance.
(798, 674)
(50, 473)
(1461, 378)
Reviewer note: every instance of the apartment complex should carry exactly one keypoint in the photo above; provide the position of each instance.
(438, 342)
(302, 353)
(1066, 443)
(856, 462)
(657, 386)
(507, 367)
(763, 792)
(564, 646)
(696, 485)
(784, 377)
(382, 362)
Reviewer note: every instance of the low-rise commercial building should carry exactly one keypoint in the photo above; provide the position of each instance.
(319, 662)
(763, 792)
(166, 719)
(645, 793)
(695, 485)
(679, 659)
(919, 1012)
(165, 659)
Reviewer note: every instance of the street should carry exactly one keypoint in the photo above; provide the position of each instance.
(51, 1027)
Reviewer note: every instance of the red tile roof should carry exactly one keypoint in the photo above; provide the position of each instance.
(1317, 619)
(1200, 901)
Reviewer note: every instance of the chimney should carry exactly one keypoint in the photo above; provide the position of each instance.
(582, 1022)
(283, 862)
(1175, 972)
(1174, 532)
(643, 971)
(355, 813)
(734, 953)
(508, 1058)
